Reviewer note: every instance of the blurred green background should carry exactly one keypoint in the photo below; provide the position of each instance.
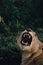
(16, 16)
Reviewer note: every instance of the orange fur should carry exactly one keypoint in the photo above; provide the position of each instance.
(32, 52)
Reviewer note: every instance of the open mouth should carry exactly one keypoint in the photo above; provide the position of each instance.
(26, 39)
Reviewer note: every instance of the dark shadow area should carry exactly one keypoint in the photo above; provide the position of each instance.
(10, 58)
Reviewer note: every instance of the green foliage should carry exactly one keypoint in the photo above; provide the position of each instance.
(9, 51)
(40, 34)
(15, 16)
(28, 13)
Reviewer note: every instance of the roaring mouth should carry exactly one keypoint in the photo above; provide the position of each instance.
(26, 39)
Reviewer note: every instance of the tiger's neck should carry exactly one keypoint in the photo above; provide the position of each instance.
(27, 58)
